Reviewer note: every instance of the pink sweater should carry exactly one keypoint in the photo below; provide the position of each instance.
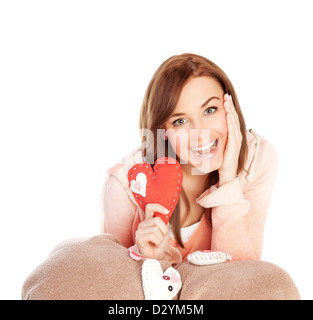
(239, 207)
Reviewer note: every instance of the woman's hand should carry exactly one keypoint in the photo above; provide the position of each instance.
(152, 235)
(228, 170)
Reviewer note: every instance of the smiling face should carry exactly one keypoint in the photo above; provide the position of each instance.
(197, 128)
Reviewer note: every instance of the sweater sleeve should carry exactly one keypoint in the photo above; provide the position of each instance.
(117, 211)
(239, 213)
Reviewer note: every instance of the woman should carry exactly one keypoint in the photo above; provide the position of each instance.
(191, 112)
(191, 108)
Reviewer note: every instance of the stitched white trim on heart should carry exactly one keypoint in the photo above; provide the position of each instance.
(206, 257)
(139, 185)
(158, 285)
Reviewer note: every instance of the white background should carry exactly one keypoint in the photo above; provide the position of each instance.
(72, 79)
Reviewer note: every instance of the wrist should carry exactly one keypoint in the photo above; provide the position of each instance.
(226, 177)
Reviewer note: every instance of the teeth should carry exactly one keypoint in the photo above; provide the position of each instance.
(206, 147)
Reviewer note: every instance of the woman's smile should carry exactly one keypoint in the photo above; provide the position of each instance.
(207, 150)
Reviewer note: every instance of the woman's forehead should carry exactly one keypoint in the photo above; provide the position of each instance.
(197, 91)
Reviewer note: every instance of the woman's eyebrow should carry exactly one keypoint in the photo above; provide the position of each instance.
(206, 102)
(203, 105)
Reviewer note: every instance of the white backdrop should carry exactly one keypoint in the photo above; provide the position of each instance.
(72, 79)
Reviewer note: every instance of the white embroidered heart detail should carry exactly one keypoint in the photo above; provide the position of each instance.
(158, 285)
(139, 185)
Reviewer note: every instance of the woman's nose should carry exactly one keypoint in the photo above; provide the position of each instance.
(196, 124)
(199, 132)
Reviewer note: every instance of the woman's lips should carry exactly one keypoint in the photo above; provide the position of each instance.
(207, 151)
(205, 147)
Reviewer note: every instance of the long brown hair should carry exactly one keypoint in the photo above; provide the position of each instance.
(160, 100)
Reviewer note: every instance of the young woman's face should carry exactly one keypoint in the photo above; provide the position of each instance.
(198, 126)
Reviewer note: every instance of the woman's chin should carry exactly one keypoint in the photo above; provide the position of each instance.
(201, 166)
(203, 169)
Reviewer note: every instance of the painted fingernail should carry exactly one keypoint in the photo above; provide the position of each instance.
(229, 116)
(229, 97)
(227, 105)
(165, 211)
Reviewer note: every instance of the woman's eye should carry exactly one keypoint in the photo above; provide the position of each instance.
(210, 110)
(179, 122)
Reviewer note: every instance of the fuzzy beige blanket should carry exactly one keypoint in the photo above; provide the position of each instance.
(100, 268)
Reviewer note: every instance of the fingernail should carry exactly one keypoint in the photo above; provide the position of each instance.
(227, 105)
(166, 211)
(229, 97)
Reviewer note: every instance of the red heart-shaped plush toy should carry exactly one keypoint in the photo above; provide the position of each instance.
(161, 186)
